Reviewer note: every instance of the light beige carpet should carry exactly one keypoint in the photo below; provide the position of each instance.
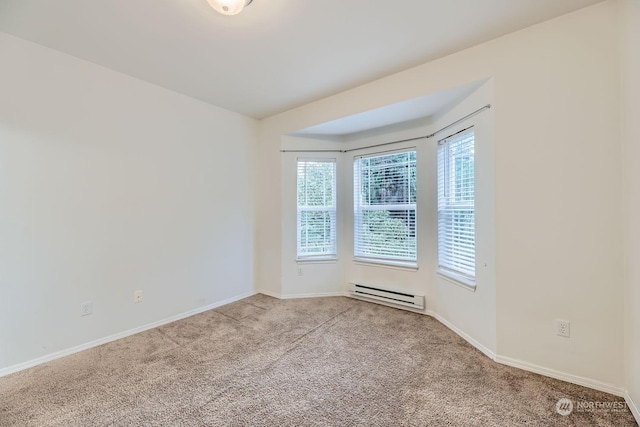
(310, 362)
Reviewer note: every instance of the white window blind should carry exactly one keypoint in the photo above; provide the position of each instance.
(456, 205)
(385, 207)
(316, 208)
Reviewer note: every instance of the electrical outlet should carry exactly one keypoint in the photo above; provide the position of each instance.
(137, 296)
(563, 328)
(86, 308)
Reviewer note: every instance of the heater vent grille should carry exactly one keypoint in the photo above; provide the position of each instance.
(389, 296)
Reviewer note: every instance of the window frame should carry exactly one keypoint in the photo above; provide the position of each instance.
(393, 261)
(332, 254)
(446, 248)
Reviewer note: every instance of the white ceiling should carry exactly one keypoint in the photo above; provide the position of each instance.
(277, 54)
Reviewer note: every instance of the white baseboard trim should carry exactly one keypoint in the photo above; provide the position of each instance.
(552, 373)
(297, 296)
(485, 350)
(632, 406)
(316, 295)
(269, 293)
(67, 352)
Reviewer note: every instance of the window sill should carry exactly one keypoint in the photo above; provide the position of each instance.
(317, 260)
(385, 263)
(458, 280)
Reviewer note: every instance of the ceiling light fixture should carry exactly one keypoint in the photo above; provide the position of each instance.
(229, 7)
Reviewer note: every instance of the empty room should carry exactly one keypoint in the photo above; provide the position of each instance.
(319, 213)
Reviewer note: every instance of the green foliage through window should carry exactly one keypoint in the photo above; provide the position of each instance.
(316, 217)
(385, 206)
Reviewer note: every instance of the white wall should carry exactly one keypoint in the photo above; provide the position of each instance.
(474, 313)
(558, 198)
(110, 185)
(630, 13)
(411, 280)
(558, 203)
(470, 312)
(308, 278)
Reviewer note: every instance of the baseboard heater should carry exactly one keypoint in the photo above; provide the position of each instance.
(386, 295)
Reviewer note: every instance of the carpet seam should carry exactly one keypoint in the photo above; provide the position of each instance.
(294, 343)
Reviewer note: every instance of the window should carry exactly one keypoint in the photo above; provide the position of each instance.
(316, 208)
(385, 208)
(456, 207)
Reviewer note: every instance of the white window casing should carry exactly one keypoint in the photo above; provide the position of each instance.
(456, 208)
(385, 228)
(316, 209)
